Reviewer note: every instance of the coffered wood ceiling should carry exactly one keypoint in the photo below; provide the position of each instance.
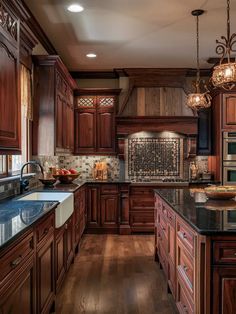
(132, 33)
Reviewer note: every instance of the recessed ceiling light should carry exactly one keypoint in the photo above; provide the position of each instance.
(75, 8)
(91, 55)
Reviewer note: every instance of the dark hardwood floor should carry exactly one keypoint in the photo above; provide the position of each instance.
(115, 274)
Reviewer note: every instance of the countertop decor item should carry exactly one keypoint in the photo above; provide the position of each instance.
(224, 74)
(48, 181)
(198, 99)
(220, 192)
(220, 205)
(66, 178)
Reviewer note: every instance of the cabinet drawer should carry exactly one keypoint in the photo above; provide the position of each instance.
(224, 252)
(186, 236)
(142, 190)
(15, 257)
(185, 267)
(142, 221)
(141, 203)
(44, 228)
(183, 301)
(109, 189)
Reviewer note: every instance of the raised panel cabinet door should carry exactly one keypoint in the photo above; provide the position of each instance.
(109, 211)
(171, 243)
(60, 257)
(204, 138)
(85, 124)
(93, 214)
(229, 111)
(105, 131)
(45, 276)
(9, 97)
(20, 296)
(69, 242)
(224, 292)
(59, 121)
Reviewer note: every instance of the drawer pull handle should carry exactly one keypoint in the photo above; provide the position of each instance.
(45, 231)
(183, 235)
(185, 268)
(16, 261)
(185, 309)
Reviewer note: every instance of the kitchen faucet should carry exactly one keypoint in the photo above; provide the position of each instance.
(24, 182)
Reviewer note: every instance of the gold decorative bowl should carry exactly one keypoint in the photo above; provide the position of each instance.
(48, 181)
(220, 192)
(66, 178)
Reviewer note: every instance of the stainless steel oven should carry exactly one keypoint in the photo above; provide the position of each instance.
(229, 173)
(229, 146)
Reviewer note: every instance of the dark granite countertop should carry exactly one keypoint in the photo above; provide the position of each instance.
(207, 217)
(17, 216)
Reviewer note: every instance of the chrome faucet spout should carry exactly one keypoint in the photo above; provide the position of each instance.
(24, 183)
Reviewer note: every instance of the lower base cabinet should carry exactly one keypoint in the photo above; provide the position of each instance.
(45, 276)
(20, 295)
(64, 251)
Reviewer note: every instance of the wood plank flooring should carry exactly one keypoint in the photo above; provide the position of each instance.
(115, 275)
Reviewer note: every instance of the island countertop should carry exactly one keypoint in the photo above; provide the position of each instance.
(207, 217)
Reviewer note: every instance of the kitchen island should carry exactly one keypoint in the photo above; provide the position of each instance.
(195, 244)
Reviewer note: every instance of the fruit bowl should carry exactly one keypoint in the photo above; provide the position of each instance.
(66, 178)
(220, 192)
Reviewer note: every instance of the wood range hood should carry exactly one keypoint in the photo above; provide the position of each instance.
(180, 124)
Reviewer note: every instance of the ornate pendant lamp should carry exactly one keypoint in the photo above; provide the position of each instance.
(224, 74)
(198, 100)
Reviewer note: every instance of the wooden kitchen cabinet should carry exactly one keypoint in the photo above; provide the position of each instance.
(17, 278)
(141, 208)
(109, 211)
(204, 137)
(9, 78)
(95, 121)
(64, 250)
(93, 207)
(229, 111)
(53, 113)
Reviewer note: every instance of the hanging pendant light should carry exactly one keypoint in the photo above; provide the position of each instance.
(224, 74)
(198, 100)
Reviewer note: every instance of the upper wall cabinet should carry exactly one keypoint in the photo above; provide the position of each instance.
(229, 111)
(53, 115)
(95, 121)
(9, 81)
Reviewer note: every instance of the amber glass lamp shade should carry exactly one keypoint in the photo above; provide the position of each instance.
(224, 75)
(198, 101)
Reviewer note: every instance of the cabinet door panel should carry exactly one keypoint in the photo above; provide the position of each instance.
(60, 257)
(105, 132)
(69, 242)
(85, 131)
(224, 292)
(59, 122)
(109, 211)
(93, 218)
(9, 97)
(45, 264)
(21, 295)
(229, 111)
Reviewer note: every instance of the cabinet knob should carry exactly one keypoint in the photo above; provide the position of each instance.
(185, 268)
(16, 261)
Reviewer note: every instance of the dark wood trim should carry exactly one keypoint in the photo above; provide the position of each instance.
(216, 60)
(142, 72)
(37, 30)
(180, 124)
(103, 74)
(96, 91)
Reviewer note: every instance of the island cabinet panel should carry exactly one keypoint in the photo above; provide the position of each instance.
(224, 293)
(124, 226)
(9, 78)
(229, 111)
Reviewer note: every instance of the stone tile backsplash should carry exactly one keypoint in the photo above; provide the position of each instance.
(85, 165)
